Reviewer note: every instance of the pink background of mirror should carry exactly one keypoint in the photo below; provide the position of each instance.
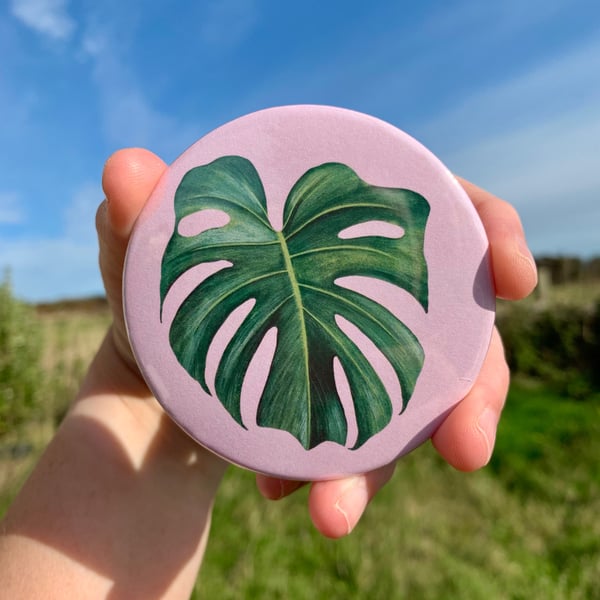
(283, 143)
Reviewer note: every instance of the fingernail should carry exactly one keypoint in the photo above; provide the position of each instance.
(353, 501)
(487, 423)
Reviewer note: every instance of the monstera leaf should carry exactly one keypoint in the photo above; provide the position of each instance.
(291, 277)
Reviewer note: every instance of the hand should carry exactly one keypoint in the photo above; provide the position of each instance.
(119, 504)
(466, 437)
(128, 179)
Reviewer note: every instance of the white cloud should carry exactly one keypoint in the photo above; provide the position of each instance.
(128, 115)
(549, 171)
(558, 157)
(48, 17)
(11, 213)
(51, 268)
(534, 141)
(540, 95)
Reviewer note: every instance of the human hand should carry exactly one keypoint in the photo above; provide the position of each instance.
(119, 504)
(128, 179)
(466, 437)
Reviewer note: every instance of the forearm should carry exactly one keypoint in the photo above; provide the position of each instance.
(119, 505)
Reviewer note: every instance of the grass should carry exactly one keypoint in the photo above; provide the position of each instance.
(524, 527)
(575, 294)
(69, 336)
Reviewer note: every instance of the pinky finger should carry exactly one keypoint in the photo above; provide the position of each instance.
(336, 506)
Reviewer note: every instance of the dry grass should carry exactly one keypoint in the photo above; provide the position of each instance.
(579, 294)
(70, 335)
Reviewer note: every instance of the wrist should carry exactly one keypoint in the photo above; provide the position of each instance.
(121, 498)
(115, 396)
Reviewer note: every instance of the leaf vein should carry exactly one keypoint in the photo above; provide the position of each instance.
(345, 248)
(347, 301)
(246, 283)
(342, 340)
(261, 217)
(336, 208)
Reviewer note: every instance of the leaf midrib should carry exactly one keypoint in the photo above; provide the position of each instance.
(300, 308)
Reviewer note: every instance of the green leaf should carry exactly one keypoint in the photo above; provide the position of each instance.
(291, 275)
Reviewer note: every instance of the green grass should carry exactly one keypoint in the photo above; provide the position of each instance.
(524, 527)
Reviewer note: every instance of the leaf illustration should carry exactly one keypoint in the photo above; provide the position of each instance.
(291, 275)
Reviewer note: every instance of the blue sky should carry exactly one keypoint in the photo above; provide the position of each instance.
(506, 93)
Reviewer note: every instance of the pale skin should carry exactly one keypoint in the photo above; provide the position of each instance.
(119, 505)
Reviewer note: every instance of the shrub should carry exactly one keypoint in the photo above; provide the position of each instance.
(21, 373)
(559, 344)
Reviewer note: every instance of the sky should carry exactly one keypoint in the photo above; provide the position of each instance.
(507, 94)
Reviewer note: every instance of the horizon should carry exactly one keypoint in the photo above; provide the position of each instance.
(100, 296)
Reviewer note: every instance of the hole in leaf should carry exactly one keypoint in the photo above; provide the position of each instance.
(376, 358)
(372, 228)
(201, 221)
(186, 284)
(256, 377)
(222, 338)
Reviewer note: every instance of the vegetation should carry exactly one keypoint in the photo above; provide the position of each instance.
(44, 352)
(20, 368)
(525, 527)
(560, 346)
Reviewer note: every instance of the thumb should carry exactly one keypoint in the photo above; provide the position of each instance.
(129, 177)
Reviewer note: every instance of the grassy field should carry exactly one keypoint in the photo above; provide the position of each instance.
(526, 527)
(69, 335)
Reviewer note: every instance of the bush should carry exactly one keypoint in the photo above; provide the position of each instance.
(559, 344)
(21, 373)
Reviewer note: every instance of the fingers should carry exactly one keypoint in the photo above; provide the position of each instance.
(274, 488)
(337, 506)
(466, 437)
(515, 274)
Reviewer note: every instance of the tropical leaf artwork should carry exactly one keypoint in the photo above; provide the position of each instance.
(292, 277)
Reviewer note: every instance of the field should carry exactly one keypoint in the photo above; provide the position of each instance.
(524, 527)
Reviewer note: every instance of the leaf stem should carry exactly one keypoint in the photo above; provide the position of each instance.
(300, 307)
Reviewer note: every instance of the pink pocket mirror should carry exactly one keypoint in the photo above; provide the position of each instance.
(307, 292)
